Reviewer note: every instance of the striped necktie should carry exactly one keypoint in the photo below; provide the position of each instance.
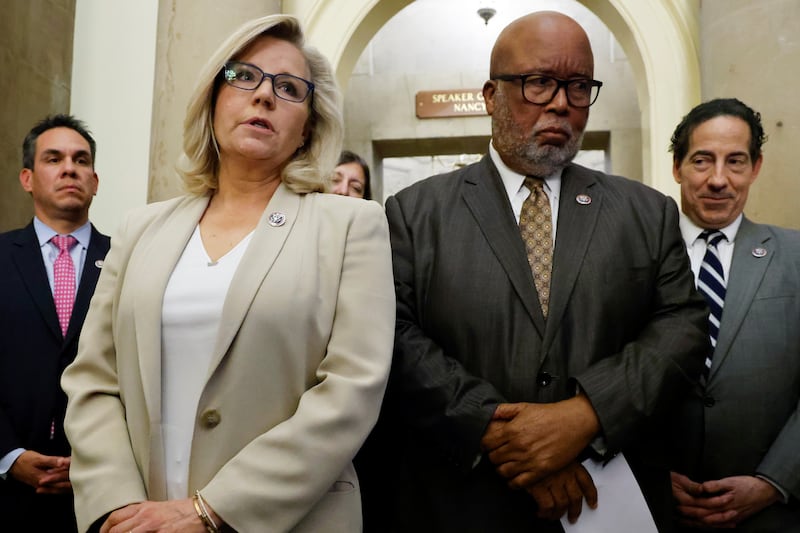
(711, 284)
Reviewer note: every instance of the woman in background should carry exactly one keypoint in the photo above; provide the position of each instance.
(351, 176)
(226, 375)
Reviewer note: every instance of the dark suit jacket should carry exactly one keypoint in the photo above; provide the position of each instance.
(747, 420)
(625, 323)
(33, 353)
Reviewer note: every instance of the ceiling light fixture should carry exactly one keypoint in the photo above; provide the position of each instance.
(486, 13)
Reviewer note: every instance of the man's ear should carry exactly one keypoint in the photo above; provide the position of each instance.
(676, 170)
(489, 90)
(757, 167)
(26, 179)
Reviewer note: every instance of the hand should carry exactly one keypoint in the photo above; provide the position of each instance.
(528, 441)
(564, 492)
(172, 516)
(722, 503)
(48, 474)
(694, 505)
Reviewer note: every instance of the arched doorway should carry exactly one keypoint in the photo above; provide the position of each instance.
(659, 37)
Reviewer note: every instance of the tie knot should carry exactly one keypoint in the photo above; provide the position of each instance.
(712, 237)
(533, 183)
(64, 242)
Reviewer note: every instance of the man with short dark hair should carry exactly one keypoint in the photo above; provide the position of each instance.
(738, 434)
(545, 313)
(48, 271)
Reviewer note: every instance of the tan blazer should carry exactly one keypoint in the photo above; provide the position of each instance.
(296, 380)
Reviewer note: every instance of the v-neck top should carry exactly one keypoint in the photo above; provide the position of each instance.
(190, 320)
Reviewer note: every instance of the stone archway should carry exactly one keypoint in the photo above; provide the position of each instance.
(661, 41)
(660, 38)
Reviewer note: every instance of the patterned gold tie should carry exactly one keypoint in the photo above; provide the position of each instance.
(536, 227)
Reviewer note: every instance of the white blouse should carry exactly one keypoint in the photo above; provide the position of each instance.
(190, 319)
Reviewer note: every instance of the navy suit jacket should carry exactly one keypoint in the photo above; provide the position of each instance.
(624, 322)
(33, 353)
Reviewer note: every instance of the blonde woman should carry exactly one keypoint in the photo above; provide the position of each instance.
(226, 375)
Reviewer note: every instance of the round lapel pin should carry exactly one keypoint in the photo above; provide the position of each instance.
(276, 219)
(99, 263)
(759, 252)
(583, 199)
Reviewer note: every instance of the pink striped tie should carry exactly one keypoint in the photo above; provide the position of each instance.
(64, 279)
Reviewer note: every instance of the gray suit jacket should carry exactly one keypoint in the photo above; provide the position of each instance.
(747, 421)
(625, 323)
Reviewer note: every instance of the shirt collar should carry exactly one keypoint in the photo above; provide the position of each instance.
(44, 233)
(512, 181)
(691, 231)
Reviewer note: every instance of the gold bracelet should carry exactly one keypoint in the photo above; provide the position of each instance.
(202, 512)
(198, 510)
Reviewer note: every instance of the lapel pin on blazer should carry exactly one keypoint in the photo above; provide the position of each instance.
(276, 219)
(99, 263)
(759, 252)
(583, 199)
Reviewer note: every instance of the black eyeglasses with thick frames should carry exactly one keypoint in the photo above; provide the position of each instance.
(541, 90)
(249, 78)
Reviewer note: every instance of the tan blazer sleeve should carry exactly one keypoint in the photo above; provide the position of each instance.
(103, 472)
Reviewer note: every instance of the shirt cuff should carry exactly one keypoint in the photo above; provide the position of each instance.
(476, 461)
(784, 492)
(599, 445)
(8, 461)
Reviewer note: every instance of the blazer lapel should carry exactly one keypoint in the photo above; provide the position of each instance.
(487, 200)
(267, 242)
(745, 276)
(575, 226)
(27, 256)
(155, 262)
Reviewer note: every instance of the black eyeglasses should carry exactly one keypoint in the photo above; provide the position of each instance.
(541, 90)
(249, 78)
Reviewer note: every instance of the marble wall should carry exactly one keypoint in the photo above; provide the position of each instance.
(36, 62)
(188, 32)
(751, 51)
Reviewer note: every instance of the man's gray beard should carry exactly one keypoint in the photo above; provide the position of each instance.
(546, 160)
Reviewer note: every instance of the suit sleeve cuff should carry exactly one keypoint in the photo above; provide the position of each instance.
(598, 446)
(784, 493)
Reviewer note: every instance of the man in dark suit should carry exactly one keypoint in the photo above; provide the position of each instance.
(514, 359)
(738, 435)
(38, 331)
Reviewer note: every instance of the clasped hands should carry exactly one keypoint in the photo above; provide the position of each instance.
(171, 516)
(48, 474)
(721, 503)
(535, 447)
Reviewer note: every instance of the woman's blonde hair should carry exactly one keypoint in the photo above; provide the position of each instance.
(313, 162)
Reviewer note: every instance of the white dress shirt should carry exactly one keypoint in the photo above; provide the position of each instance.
(696, 246)
(518, 193)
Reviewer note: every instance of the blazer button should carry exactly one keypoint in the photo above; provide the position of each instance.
(709, 401)
(211, 418)
(544, 379)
